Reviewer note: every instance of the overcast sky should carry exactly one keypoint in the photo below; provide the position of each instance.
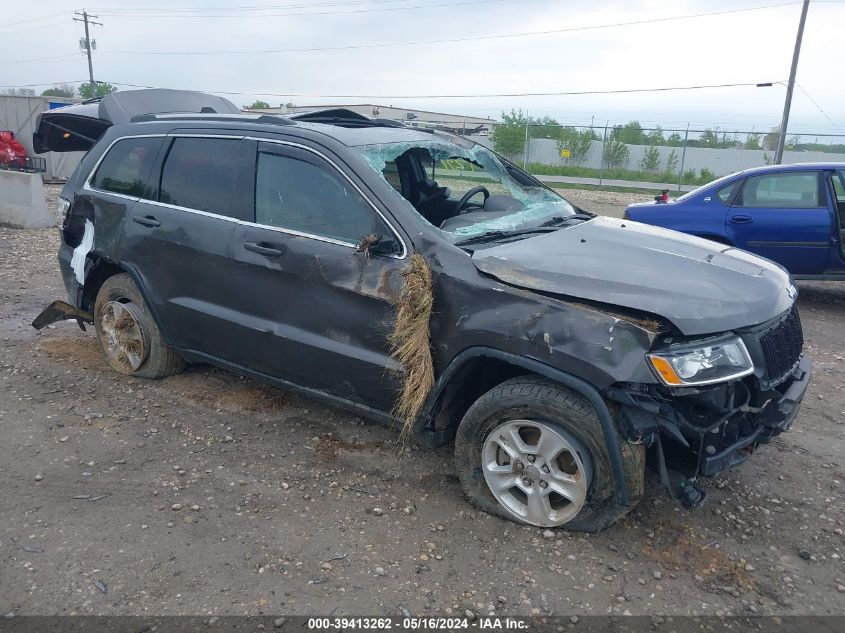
(752, 46)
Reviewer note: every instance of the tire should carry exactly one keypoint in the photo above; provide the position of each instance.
(553, 407)
(127, 334)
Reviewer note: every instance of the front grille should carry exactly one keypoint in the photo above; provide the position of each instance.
(782, 346)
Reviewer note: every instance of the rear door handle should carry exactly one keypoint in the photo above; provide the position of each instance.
(262, 248)
(147, 220)
(741, 219)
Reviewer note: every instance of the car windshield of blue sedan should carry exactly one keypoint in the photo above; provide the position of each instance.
(465, 192)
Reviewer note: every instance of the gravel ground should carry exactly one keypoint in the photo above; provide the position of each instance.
(610, 203)
(208, 493)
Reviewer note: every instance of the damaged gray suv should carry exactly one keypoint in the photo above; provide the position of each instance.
(415, 277)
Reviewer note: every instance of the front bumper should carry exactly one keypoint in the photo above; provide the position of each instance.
(704, 434)
(774, 419)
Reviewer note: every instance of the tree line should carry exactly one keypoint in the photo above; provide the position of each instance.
(84, 91)
(515, 127)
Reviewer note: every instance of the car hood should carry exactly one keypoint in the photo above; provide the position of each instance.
(700, 286)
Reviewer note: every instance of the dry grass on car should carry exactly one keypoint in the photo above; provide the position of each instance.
(410, 341)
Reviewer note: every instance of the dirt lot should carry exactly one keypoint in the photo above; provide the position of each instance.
(208, 493)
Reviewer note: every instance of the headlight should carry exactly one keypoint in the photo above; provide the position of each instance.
(702, 364)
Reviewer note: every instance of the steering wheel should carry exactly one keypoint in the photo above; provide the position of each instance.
(468, 195)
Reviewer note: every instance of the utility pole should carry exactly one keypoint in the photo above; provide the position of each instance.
(86, 19)
(791, 84)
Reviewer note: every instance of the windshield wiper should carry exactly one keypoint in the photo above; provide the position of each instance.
(552, 224)
(561, 220)
(489, 236)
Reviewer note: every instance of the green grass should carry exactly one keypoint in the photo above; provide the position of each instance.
(468, 177)
(615, 173)
(575, 186)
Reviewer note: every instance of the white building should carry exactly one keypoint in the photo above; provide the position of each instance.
(458, 123)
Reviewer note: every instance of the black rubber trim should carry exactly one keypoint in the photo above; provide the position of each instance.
(830, 276)
(789, 244)
(435, 438)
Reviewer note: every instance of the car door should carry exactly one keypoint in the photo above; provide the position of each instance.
(784, 216)
(324, 313)
(179, 241)
(836, 262)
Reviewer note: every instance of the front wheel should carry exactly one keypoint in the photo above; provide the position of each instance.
(533, 451)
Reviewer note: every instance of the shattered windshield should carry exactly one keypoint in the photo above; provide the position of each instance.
(436, 176)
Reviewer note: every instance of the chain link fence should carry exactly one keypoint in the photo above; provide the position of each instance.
(650, 158)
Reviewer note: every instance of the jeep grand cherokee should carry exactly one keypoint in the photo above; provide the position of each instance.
(566, 350)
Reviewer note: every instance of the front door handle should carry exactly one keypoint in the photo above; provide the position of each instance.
(741, 219)
(147, 220)
(262, 248)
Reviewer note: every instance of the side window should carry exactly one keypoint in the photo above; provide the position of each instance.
(293, 193)
(126, 167)
(726, 193)
(199, 173)
(798, 190)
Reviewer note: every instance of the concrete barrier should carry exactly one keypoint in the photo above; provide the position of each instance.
(22, 201)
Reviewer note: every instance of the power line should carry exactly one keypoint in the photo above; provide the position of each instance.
(461, 39)
(818, 107)
(472, 96)
(46, 17)
(36, 28)
(38, 59)
(237, 8)
(477, 96)
(49, 83)
(276, 15)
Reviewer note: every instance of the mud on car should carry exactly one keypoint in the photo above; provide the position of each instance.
(389, 271)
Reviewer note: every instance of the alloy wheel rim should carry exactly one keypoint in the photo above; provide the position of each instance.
(537, 472)
(125, 342)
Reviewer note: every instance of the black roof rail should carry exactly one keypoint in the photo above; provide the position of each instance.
(343, 117)
(205, 116)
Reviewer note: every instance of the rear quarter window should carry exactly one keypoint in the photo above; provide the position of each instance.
(125, 169)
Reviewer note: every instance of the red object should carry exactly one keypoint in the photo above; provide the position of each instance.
(11, 151)
(664, 195)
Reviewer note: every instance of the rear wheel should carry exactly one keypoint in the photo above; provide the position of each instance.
(127, 333)
(533, 451)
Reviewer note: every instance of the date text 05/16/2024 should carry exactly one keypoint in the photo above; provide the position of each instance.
(412, 624)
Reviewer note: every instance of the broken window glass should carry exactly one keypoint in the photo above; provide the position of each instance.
(462, 169)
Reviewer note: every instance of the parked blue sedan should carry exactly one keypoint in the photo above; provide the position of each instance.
(791, 214)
